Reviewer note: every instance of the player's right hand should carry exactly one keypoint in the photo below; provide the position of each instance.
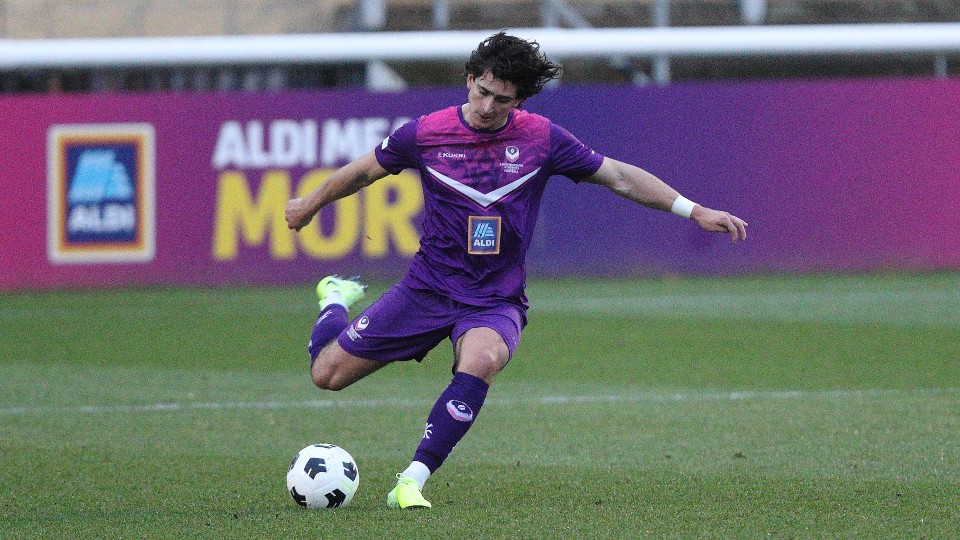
(298, 214)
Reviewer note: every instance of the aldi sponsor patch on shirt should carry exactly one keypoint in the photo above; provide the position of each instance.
(484, 234)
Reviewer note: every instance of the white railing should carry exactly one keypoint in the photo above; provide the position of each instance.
(932, 38)
(373, 48)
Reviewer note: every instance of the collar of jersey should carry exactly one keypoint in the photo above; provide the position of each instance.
(464, 123)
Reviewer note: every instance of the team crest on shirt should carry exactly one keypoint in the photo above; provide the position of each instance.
(511, 155)
(483, 235)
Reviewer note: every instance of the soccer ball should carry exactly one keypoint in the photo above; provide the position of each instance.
(323, 476)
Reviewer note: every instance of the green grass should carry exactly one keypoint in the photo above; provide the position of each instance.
(785, 407)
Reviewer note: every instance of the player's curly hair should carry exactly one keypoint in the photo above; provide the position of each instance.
(515, 60)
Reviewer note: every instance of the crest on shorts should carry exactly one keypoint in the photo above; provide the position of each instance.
(362, 323)
(353, 331)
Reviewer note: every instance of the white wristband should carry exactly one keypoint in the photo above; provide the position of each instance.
(683, 207)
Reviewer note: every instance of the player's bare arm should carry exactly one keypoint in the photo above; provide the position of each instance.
(638, 185)
(346, 181)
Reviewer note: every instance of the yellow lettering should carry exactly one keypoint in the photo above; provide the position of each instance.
(387, 219)
(239, 214)
(245, 218)
(346, 225)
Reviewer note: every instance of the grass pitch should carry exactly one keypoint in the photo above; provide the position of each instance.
(783, 407)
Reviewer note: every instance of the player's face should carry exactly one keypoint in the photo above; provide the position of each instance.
(489, 101)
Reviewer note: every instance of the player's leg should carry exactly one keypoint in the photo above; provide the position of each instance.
(331, 367)
(402, 324)
(481, 351)
(481, 354)
(335, 296)
(336, 369)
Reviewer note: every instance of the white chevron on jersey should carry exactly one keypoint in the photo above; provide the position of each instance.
(483, 199)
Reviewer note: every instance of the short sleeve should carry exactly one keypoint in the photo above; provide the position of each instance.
(399, 150)
(571, 157)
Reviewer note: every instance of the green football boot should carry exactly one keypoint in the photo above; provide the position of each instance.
(406, 494)
(350, 290)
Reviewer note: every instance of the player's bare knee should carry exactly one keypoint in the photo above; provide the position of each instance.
(495, 361)
(326, 377)
(484, 364)
(328, 381)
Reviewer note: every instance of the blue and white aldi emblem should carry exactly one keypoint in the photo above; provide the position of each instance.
(100, 193)
(484, 235)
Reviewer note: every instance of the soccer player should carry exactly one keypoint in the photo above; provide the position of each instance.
(484, 166)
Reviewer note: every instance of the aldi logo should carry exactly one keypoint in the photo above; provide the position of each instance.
(484, 235)
(100, 193)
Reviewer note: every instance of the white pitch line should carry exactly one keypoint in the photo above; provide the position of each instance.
(905, 308)
(646, 397)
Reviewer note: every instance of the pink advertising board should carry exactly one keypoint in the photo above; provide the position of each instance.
(147, 189)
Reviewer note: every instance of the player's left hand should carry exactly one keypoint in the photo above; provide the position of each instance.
(719, 221)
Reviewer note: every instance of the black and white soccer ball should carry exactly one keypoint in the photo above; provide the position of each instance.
(323, 476)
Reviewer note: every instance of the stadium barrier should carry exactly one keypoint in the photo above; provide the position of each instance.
(104, 190)
(931, 38)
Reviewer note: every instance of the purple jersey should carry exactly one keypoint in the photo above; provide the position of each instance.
(482, 192)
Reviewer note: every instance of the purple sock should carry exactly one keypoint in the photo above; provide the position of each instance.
(331, 321)
(451, 417)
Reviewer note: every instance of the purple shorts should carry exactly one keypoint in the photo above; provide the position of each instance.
(406, 323)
